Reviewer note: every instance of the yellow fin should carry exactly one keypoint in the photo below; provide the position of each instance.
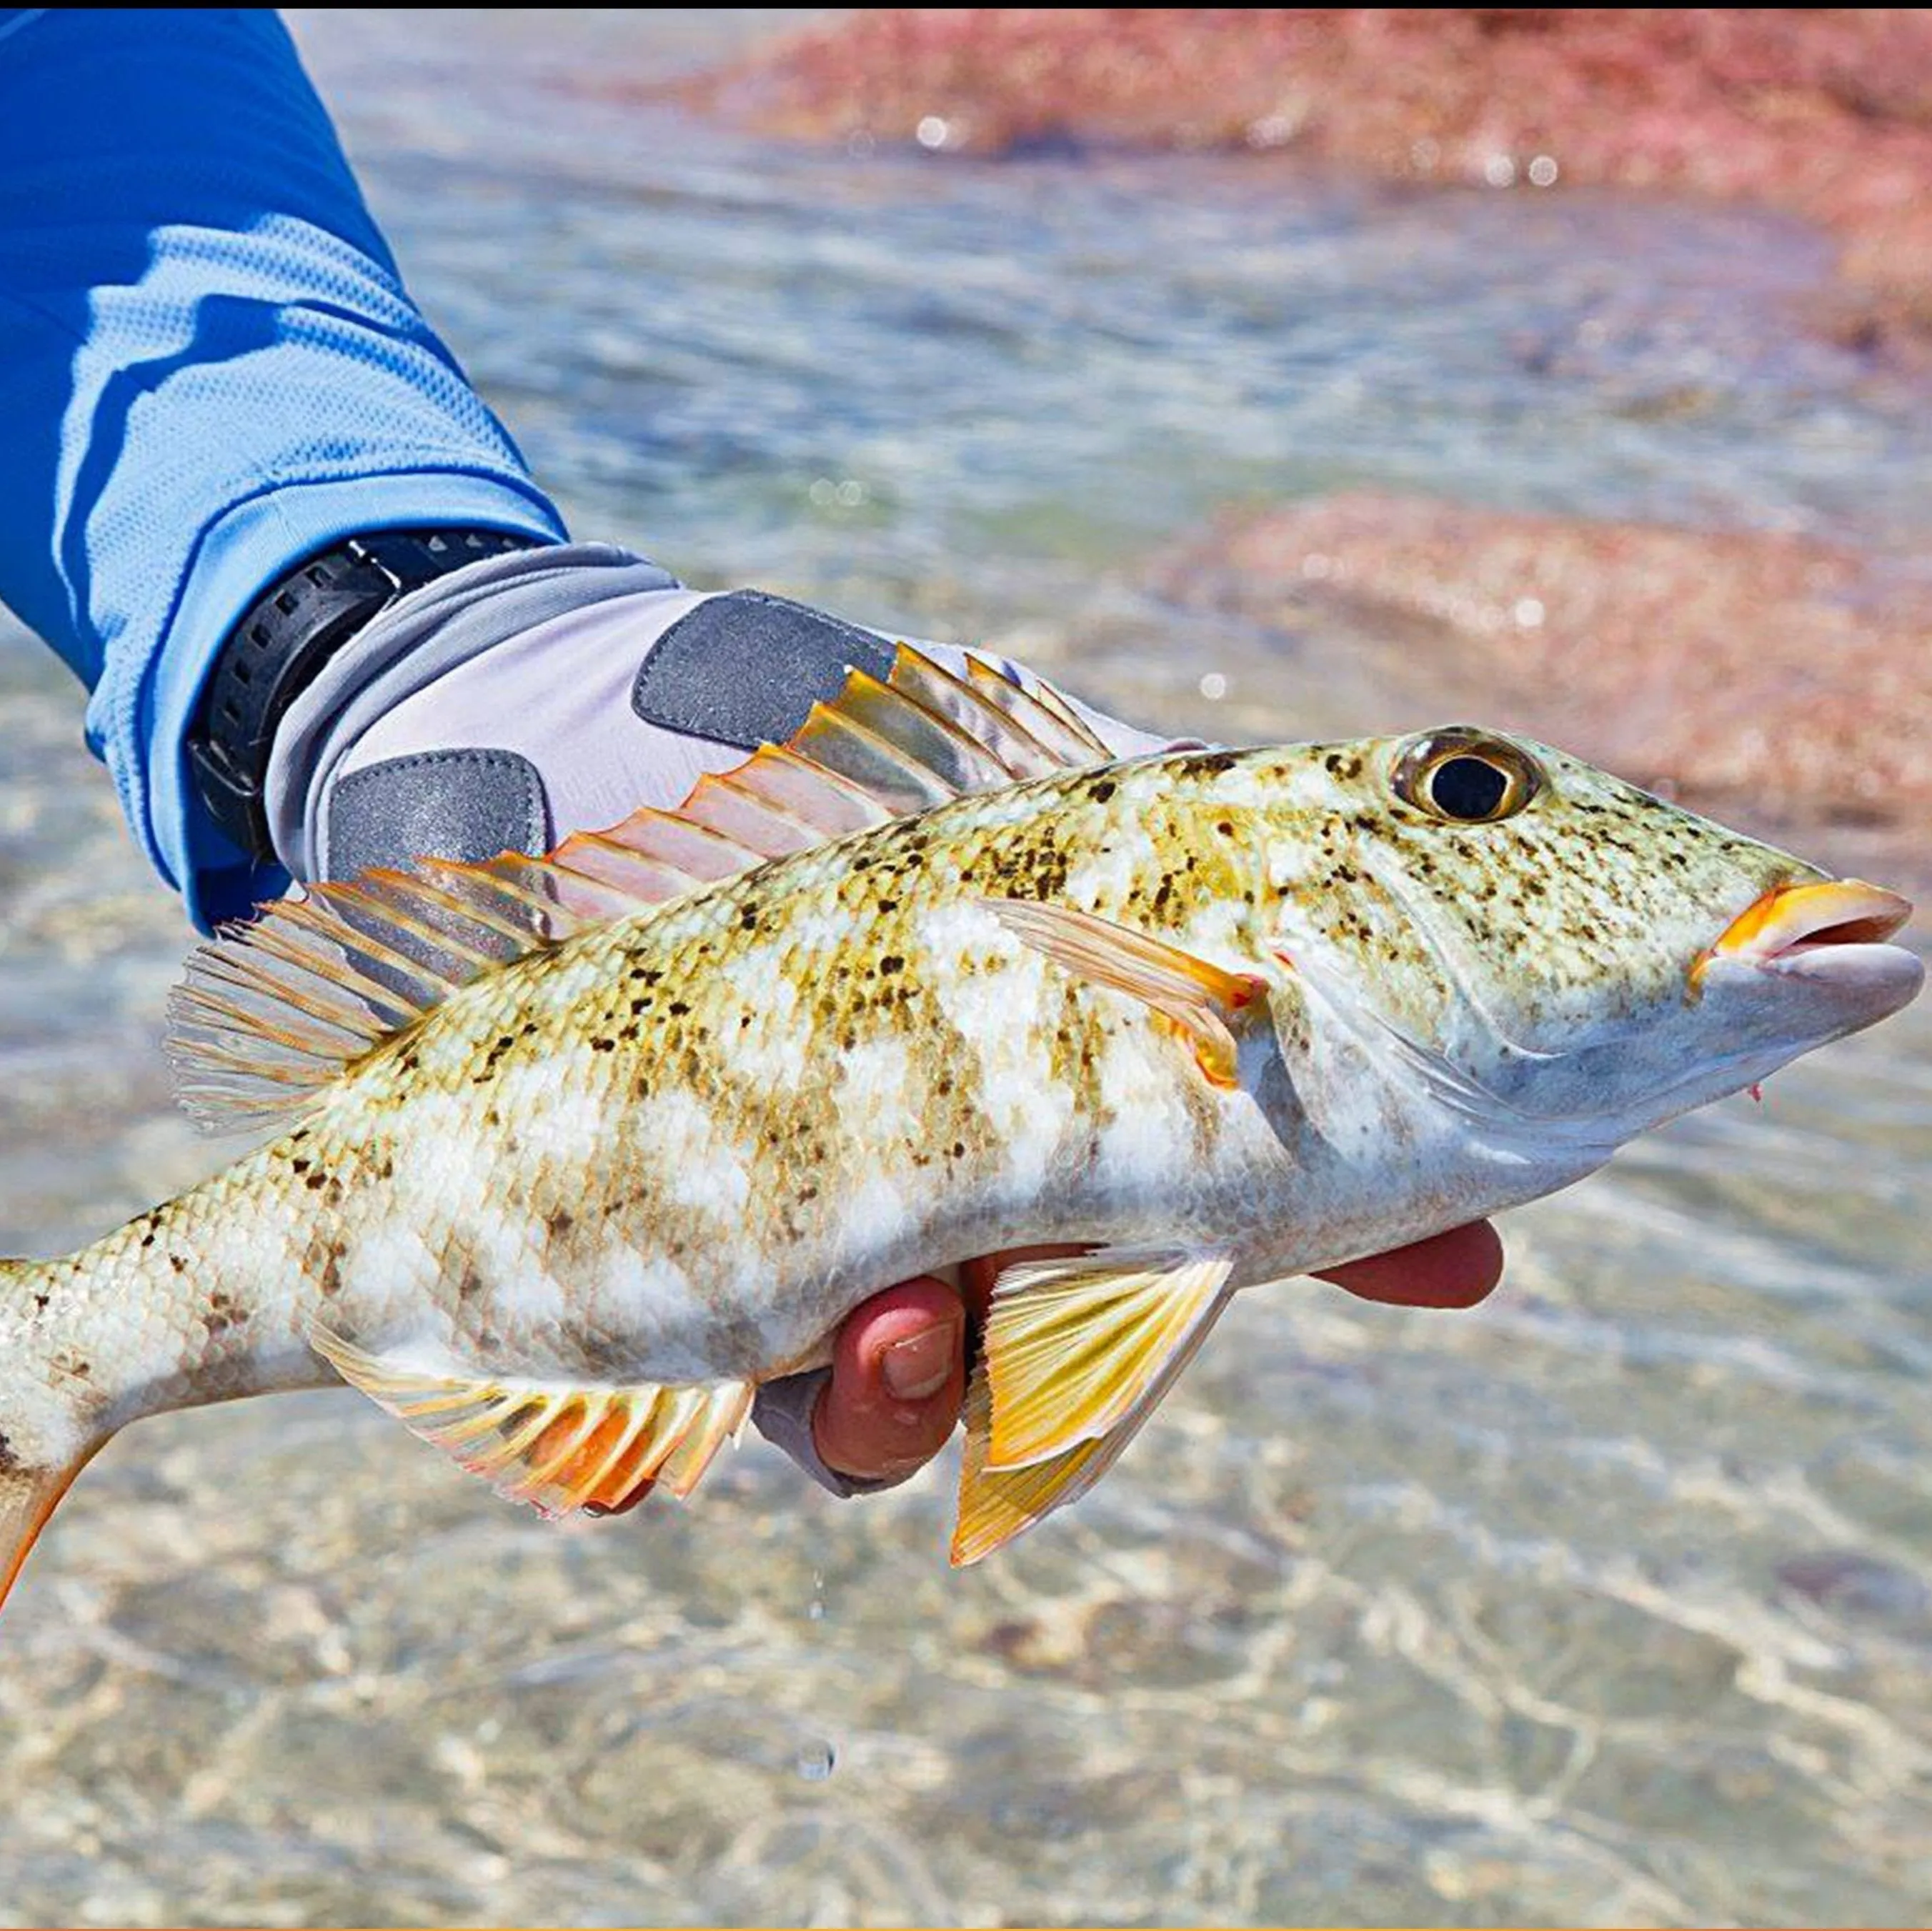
(272, 1011)
(1072, 1345)
(997, 1505)
(1049, 719)
(559, 1449)
(1197, 996)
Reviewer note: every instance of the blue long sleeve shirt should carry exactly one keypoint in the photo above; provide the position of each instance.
(209, 370)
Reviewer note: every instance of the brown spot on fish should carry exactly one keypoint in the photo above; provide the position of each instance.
(559, 1220)
(222, 1312)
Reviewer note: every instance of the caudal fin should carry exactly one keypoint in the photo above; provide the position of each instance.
(28, 1497)
(43, 1442)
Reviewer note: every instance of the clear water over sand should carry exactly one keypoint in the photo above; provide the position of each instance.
(1610, 1601)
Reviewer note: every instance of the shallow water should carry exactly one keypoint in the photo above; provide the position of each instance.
(1609, 1602)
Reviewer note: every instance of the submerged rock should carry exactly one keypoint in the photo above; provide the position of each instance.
(1773, 679)
(1825, 112)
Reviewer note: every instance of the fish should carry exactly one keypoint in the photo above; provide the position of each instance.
(566, 1156)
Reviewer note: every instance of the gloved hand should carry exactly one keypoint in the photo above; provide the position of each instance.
(557, 690)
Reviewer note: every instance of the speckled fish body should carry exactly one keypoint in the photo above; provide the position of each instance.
(1259, 1012)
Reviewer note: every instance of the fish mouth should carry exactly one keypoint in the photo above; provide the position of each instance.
(1832, 931)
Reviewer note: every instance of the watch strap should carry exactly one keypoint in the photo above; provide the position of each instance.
(285, 638)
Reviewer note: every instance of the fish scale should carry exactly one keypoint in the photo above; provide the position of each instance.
(571, 1155)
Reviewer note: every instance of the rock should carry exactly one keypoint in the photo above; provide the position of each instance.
(1780, 682)
(1825, 112)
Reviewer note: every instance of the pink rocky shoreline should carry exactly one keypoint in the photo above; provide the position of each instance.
(1783, 684)
(1822, 112)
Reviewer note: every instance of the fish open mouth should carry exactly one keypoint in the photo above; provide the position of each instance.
(1791, 922)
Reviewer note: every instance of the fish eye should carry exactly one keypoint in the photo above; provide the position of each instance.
(1465, 776)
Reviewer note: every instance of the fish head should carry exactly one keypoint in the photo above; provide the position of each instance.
(1534, 939)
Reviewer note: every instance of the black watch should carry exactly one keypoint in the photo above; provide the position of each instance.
(272, 655)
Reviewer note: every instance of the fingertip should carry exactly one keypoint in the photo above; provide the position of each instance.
(1459, 1269)
(898, 1380)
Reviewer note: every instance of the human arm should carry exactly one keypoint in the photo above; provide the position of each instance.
(212, 370)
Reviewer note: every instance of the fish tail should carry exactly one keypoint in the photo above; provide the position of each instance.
(45, 1436)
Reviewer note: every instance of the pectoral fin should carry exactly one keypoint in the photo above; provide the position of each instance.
(1196, 997)
(1072, 1345)
(559, 1449)
(997, 1504)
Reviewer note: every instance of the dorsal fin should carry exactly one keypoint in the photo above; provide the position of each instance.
(267, 1016)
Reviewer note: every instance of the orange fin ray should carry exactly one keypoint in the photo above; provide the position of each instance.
(1199, 998)
(1072, 1346)
(559, 1449)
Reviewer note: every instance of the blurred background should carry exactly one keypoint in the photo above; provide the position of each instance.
(1261, 376)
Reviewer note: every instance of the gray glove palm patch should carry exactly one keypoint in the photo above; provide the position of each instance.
(468, 805)
(735, 671)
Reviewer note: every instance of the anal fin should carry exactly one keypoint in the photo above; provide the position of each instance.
(559, 1449)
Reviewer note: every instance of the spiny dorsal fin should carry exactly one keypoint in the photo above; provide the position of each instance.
(269, 1015)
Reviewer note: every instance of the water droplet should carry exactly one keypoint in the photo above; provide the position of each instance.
(824, 493)
(851, 492)
(1499, 171)
(1529, 612)
(931, 131)
(1213, 684)
(1543, 171)
(816, 1761)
